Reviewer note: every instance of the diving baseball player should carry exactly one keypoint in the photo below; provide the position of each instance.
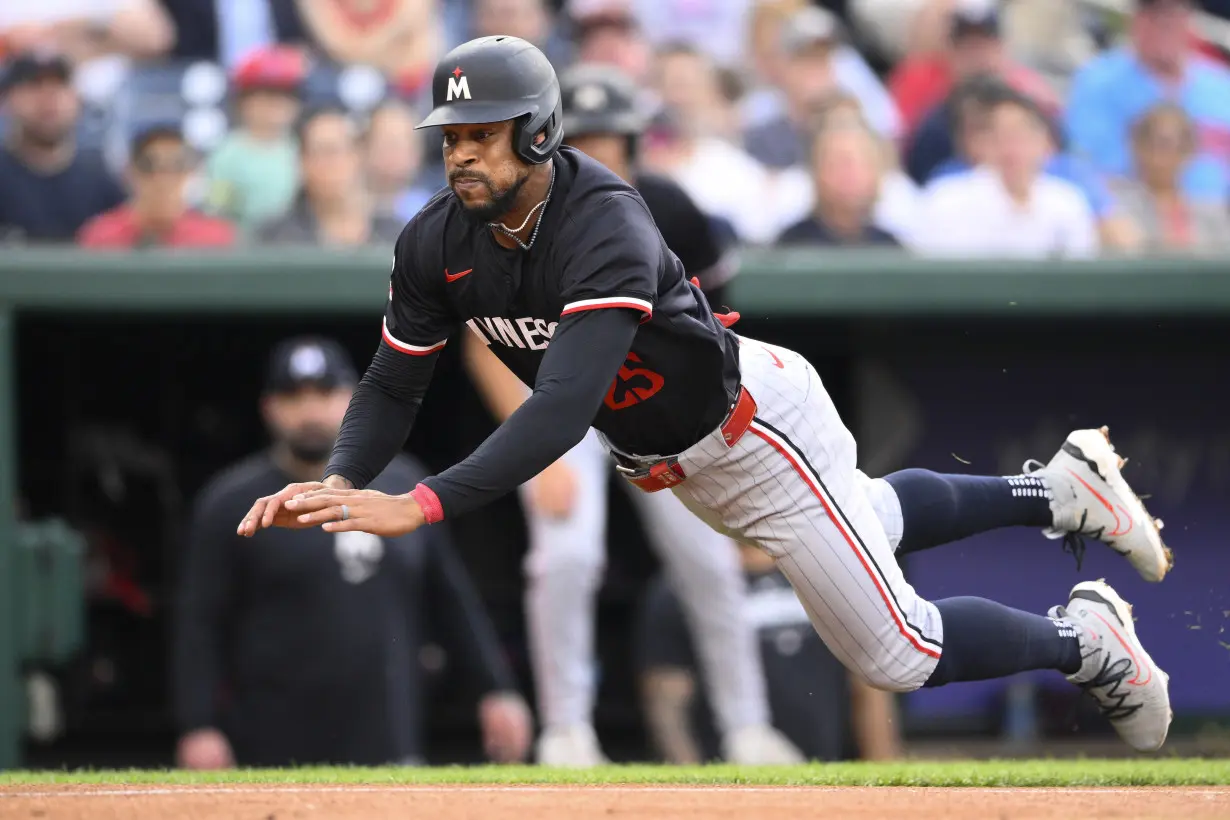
(534, 243)
(565, 506)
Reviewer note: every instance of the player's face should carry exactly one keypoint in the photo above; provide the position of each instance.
(307, 420)
(609, 149)
(484, 171)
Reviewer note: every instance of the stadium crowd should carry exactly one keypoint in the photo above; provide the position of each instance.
(1035, 129)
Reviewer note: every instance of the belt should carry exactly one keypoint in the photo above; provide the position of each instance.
(669, 472)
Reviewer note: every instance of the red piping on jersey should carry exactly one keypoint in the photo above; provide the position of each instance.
(400, 347)
(633, 305)
(849, 540)
(429, 503)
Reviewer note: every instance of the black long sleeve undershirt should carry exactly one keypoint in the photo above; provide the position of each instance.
(380, 414)
(586, 351)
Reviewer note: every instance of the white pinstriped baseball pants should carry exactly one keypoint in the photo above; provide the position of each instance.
(790, 487)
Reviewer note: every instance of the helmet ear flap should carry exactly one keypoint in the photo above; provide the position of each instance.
(526, 142)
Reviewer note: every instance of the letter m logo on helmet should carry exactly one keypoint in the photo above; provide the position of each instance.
(458, 85)
(516, 83)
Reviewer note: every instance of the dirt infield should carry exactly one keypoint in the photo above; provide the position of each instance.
(276, 802)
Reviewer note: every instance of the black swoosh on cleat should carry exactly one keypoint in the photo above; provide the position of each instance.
(1078, 454)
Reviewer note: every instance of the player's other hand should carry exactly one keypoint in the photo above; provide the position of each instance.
(204, 749)
(365, 511)
(553, 492)
(271, 511)
(507, 727)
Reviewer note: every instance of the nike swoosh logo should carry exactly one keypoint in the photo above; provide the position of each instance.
(1109, 508)
(453, 277)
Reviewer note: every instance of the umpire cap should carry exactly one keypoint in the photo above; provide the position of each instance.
(600, 99)
(499, 78)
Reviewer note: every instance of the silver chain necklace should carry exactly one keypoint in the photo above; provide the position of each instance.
(541, 206)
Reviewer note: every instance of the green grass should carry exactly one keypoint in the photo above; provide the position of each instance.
(1068, 772)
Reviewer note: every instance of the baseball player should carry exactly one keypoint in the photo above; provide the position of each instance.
(566, 504)
(534, 243)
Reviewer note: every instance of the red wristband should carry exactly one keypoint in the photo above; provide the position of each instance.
(429, 503)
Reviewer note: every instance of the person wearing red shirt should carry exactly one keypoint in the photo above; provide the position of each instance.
(921, 82)
(157, 213)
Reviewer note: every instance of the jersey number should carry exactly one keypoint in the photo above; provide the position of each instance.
(622, 394)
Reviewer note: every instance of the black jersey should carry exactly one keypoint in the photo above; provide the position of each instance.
(597, 248)
(597, 251)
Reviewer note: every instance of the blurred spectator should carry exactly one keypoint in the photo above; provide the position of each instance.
(601, 119)
(922, 85)
(1114, 90)
(401, 38)
(811, 41)
(227, 32)
(1008, 206)
(253, 173)
(607, 32)
(395, 163)
(1049, 35)
(717, 28)
(823, 709)
(48, 187)
(157, 214)
(719, 177)
(847, 165)
(334, 206)
(303, 646)
(897, 201)
(972, 101)
(530, 20)
(95, 35)
(1163, 143)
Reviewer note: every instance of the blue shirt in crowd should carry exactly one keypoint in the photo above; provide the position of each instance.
(1063, 166)
(1112, 91)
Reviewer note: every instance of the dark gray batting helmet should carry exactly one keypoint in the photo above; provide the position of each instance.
(499, 78)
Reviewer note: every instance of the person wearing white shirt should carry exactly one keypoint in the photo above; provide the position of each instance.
(1008, 207)
(685, 143)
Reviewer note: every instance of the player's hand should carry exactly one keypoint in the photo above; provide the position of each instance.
(271, 511)
(553, 492)
(366, 511)
(204, 749)
(506, 725)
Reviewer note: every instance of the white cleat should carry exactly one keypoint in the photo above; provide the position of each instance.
(1091, 498)
(573, 747)
(760, 745)
(1131, 691)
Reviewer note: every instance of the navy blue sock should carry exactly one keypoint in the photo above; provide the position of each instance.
(984, 640)
(938, 509)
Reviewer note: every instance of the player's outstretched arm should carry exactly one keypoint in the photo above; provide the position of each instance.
(553, 491)
(586, 351)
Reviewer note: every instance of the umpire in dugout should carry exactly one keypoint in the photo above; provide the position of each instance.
(303, 646)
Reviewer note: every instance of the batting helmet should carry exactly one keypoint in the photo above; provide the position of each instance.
(600, 99)
(499, 78)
